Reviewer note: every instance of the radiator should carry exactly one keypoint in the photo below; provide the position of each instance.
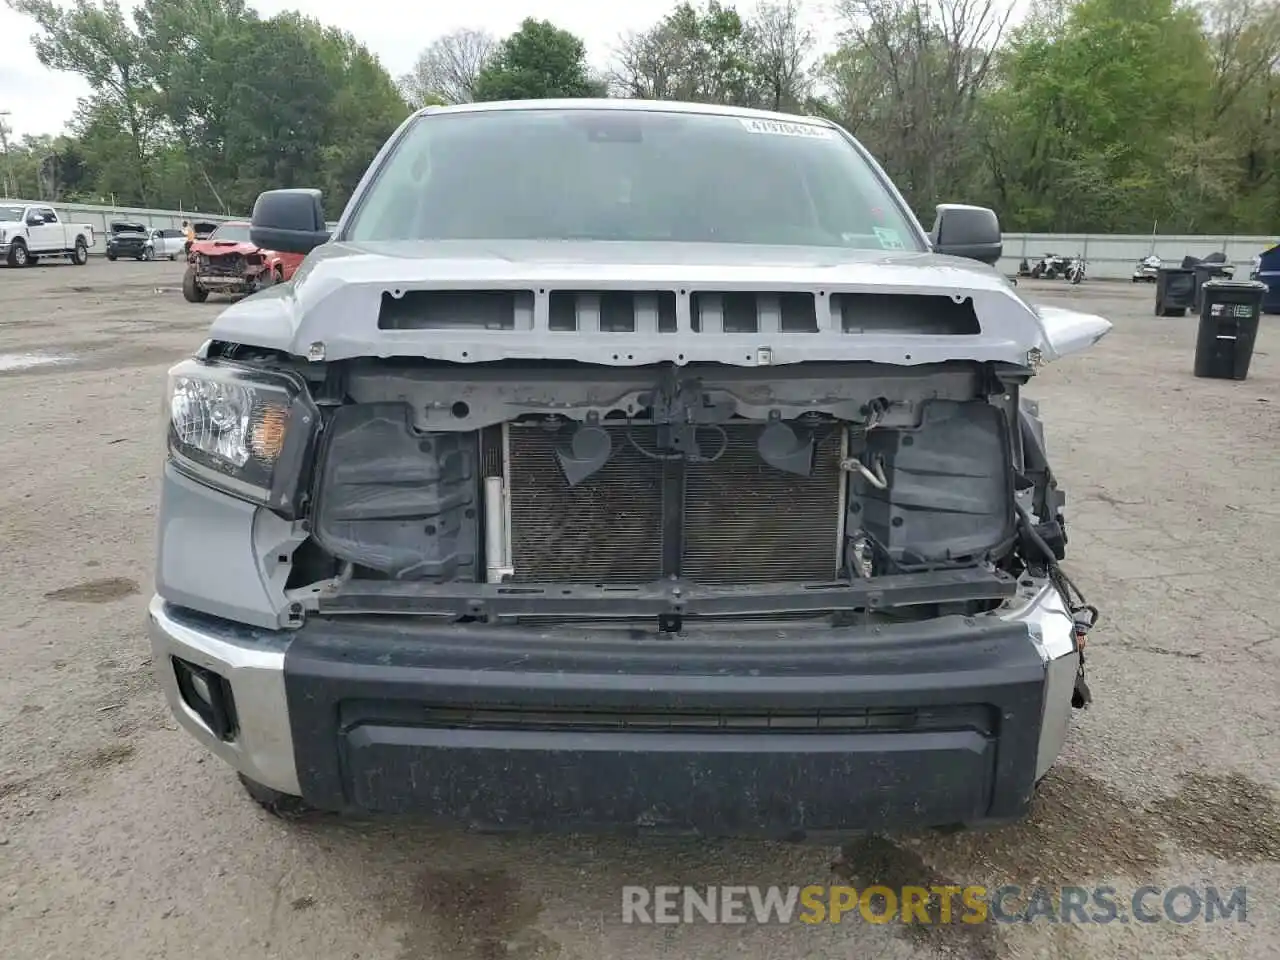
(739, 519)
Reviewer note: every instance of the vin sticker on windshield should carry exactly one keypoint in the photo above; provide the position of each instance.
(889, 239)
(783, 128)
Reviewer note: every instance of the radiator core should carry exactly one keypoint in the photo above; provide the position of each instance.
(739, 520)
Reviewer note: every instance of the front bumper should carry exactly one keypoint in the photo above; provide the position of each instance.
(218, 281)
(803, 731)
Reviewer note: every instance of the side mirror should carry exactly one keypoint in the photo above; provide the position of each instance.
(960, 230)
(288, 221)
(35, 220)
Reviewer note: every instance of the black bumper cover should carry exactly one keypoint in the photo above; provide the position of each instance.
(521, 728)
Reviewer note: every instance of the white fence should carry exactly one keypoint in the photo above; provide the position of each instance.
(1108, 256)
(1114, 256)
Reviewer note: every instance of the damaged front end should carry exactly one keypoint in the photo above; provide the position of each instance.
(823, 556)
(662, 493)
(523, 490)
(619, 501)
(231, 272)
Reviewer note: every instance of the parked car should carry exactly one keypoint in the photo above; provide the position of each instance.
(698, 497)
(29, 231)
(137, 240)
(1147, 270)
(229, 262)
(127, 239)
(167, 242)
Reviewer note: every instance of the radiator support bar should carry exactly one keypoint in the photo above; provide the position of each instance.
(665, 598)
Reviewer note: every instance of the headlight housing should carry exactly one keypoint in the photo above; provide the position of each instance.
(248, 432)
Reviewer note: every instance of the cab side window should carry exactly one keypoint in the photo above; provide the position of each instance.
(48, 214)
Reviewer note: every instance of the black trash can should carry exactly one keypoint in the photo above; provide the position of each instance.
(1229, 314)
(1205, 271)
(1175, 291)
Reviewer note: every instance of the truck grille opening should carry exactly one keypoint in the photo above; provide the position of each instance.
(977, 717)
(222, 265)
(640, 518)
(456, 310)
(753, 312)
(924, 314)
(612, 311)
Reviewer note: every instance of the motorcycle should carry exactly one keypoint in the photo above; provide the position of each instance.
(1147, 270)
(1049, 267)
(1075, 270)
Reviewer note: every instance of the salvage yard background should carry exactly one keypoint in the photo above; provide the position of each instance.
(1109, 256)
(121, 838)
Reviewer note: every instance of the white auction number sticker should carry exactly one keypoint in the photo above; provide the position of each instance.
(784, 128)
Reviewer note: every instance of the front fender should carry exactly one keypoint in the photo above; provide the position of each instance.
(1070, 331)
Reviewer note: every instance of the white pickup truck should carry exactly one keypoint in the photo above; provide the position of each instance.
(29, 231)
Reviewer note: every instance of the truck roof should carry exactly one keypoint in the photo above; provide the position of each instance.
(591, 103)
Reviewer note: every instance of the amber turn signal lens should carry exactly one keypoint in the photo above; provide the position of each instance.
(268, 433)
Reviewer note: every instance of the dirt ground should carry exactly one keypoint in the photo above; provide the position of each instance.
(119, 838)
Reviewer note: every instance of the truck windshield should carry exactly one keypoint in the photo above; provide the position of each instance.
(11, 213)
(235, 232)
(629, 175)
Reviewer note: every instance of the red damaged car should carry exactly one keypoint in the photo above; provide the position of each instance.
(227, 262)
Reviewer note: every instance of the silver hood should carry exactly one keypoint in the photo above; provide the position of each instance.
(330, 309)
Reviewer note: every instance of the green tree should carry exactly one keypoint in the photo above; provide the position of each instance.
(1090, 111)
(98, 43)
(268, 103)
(907, 79)
(702, 55)
(447, 70)
(102, 133)
(1244, 42)
(203, 103)
(538, 61)
(363, 111)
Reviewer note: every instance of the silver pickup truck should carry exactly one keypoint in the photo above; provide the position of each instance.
(661, 473)
(30, 231)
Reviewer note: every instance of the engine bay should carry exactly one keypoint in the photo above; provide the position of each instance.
(490, 490)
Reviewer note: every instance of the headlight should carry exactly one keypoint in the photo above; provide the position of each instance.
(248, 432)
(2, 236)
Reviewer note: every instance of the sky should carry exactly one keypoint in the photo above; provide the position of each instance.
(42, 101)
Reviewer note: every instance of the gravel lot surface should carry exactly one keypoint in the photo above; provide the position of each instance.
(119, 838)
